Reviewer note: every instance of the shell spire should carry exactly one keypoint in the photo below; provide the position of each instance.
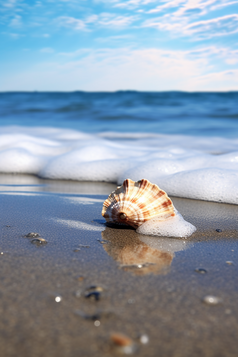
(134, 203)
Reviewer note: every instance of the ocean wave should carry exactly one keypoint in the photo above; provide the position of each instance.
(183, 166)
(204, 114)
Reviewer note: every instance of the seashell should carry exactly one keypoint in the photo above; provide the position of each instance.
(134, 203)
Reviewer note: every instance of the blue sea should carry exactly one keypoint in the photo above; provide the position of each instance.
(198, 114)
(186, 143)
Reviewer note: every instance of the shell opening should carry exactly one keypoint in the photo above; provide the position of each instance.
(122, 216)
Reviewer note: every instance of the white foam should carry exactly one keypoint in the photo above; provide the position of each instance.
(83, 200)
(79, 225)
(172, 227)
(183, 166)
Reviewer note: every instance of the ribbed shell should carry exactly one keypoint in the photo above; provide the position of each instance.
(134, 203)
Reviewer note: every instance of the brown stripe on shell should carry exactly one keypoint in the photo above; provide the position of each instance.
(142, 205)
(166, 204)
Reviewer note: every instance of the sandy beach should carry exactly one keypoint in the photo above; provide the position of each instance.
(65, 291)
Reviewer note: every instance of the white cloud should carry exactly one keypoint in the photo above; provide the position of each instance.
(109, 39)
(223, 4)
(222, 80)
(130, 3)
(102, 20)
(9, 3)
(92, 19)
(232, 60)
(16, 21)
(212, 54)
(14, 35)
(47, 50)
(191, 7)
(78, 53)
(220, 26)
(180, 17)
(71, 22)
(180, 6)
(112, 20)
(125, 68)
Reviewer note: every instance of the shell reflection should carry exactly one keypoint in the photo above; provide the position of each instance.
(137, 256)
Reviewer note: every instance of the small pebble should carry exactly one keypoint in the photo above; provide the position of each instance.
(211, 300)
(32, 235)
(218, 230)
(130, 301)
(97, 323)
(94, 292)
(58, 298)
(81, 246)
(78, 293)
(121, 340)
(123, 343)
(93, 295)
(144, 339)
(229, 262)
(39, 241)
(95, 288)
(200, 271)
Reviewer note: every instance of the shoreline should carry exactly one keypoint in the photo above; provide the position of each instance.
(149, 285)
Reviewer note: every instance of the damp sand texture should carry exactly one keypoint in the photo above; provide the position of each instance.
(91, 290)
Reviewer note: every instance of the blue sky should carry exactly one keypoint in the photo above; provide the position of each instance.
(99, 45)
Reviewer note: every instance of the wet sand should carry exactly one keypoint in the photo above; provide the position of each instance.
(67, 296)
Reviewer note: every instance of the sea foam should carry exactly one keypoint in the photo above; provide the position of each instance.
(172, 227)
(194, 167)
